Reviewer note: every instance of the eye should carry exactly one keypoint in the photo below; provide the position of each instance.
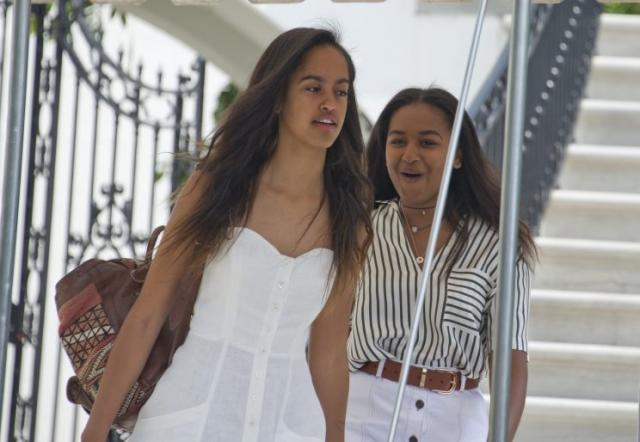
(396, 142)
(427, 143)
(342, 93)
(313, 89)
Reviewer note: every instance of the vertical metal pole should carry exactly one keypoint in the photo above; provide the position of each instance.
(201, 66)
(510, 200)
(437, 216)
(12, 168)
(177, 168)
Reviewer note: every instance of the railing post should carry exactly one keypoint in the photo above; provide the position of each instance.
(510, 201)
(437, 217)
(200, 69)
(12, 168)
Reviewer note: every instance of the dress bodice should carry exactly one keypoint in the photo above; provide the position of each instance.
(242, 373)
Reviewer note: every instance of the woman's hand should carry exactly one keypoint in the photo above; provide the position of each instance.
(144, 320)
(519, 378)
(328, 362)
(91, 434)
(518, 389)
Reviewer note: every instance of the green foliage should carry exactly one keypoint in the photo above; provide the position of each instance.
(158, 173)
(226, 97)
(33, 27)
(121, 15)
(182, 166)
(90, 10)
(622, 8)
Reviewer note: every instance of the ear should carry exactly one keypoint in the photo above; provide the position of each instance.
(277, 108)
(457, 162)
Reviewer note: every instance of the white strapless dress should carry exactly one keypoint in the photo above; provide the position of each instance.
(242, 375)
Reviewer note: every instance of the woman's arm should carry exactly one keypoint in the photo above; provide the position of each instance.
(328, 361)
(519, 359)
(517, 390)
(143, 323)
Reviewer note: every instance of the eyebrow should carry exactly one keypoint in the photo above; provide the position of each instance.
(422, 132)
(322, 80)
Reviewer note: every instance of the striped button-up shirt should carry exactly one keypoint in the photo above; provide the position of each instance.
(457, 324)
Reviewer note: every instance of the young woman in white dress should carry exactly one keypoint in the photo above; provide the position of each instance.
(277, 213)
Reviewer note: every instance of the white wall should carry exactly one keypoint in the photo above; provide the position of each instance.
(395, 43)
(394, 47)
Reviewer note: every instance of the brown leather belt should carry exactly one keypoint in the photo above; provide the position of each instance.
(437, 380)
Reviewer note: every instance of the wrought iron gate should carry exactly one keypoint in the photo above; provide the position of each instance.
(97, 181)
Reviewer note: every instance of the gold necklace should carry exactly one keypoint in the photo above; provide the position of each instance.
(423, 210)
(414, 229)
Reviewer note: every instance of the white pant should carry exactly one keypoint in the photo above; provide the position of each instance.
(425, 415)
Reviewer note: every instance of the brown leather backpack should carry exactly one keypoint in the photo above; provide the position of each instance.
(92, 302)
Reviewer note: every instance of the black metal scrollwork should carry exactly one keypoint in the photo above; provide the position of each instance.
(562, 39)
(98, 145)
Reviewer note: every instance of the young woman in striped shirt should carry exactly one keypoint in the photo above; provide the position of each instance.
(442, 403)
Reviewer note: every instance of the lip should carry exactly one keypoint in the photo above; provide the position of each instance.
(328, 124)
(410, 174)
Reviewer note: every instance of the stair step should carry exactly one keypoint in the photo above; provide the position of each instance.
(588, 265)
(619, 35)
(592, 215)
(608, 122)
(578, 420)
(601, 168)
(614, 78)
(584, 317)
(584, 371)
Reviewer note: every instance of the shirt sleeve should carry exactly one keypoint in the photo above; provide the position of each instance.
(521, 295)
(521, 306)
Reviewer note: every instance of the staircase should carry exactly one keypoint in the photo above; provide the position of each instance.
(584, 371)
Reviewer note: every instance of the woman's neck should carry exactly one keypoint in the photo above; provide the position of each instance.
(420, 215)
(297, 172)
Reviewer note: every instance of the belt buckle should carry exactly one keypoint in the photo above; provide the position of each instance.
(452, 387)
(423, 378)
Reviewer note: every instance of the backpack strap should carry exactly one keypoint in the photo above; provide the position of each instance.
(151, 245)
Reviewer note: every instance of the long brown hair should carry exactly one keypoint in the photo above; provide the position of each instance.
(246, 140)
(474, 188)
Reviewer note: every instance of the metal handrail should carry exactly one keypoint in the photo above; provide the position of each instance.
(12, 169)
(561, 42)
(437, 217)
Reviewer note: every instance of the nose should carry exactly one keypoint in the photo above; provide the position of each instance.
(326, 107)
(328, 104)
(410, 153)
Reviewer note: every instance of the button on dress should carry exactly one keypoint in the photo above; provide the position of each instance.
(242, 374)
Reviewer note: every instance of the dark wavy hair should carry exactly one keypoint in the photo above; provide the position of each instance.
(474, 188)
(246, 140)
